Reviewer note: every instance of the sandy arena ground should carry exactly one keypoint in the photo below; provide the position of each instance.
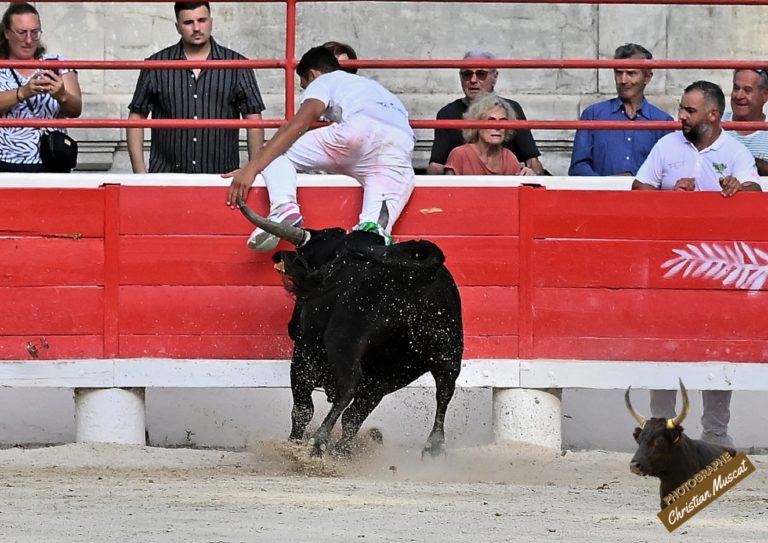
(112, 493)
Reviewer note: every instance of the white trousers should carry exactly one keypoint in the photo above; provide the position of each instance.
(717, 408)
(378, 157)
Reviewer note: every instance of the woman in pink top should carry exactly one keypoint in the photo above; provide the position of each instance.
(484, 153)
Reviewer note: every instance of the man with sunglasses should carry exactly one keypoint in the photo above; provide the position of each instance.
(474, 83)
(748, 97)
(619, 152)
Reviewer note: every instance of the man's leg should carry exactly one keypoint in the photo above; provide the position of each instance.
(663, 403)
(388, 180)
(716, 416)
(280, 178)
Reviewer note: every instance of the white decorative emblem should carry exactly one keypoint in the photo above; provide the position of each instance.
(739, 265)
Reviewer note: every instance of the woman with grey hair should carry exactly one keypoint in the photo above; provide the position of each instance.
(484, 152)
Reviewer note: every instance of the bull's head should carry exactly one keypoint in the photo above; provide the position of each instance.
(303, 269)
(657, 438)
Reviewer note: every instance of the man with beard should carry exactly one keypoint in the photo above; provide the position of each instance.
(619, 152)
(701, 157)
(210, 93)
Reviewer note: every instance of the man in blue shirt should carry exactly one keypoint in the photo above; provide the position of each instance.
(619, 152)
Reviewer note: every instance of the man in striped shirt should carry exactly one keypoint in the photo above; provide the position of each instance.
(194, 94)
(748, 97)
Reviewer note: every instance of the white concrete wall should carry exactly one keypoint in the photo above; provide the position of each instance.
(592, 419)
(386, 30)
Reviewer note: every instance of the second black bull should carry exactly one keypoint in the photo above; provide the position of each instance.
(368, 320)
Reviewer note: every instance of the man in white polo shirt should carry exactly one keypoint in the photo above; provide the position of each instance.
(701, 157)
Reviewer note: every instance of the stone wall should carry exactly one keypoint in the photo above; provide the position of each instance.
(415, 30)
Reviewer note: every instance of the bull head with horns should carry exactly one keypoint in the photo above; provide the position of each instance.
(664, 451)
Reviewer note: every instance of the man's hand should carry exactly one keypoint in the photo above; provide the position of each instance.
(525, 170)
(686, 183)
(730, 185)
(242, 180)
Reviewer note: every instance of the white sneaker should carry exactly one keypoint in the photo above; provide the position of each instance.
(287, 213)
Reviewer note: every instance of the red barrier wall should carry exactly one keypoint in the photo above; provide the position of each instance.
(127, 271)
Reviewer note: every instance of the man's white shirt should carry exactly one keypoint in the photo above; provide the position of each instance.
(674, 157)
(348, 97)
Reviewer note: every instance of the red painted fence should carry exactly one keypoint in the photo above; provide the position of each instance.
(135, 271)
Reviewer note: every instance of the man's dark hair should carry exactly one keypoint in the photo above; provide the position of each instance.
(713, 94)
(183, 6)
(318, 58)
(629, 50)
(20, 8)
(338, 48)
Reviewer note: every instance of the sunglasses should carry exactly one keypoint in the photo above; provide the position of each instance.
(760, 71)
(481, 75)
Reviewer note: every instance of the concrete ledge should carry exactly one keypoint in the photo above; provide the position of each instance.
(507, 373)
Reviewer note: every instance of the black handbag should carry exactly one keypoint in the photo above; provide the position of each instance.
(58, 150)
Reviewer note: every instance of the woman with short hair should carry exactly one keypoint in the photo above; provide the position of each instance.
(484, 152)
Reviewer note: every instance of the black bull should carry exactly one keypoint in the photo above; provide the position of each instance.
(664, 451)
(368, 320)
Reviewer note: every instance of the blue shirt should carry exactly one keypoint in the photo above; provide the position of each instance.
(614, 152)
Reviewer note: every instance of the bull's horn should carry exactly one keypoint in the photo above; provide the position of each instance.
(678, 420)
(640, 420)
(289, 233)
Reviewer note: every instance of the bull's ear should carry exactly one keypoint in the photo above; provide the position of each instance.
(636, 434)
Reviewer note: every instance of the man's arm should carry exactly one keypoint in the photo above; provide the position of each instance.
(254, 136)
(535, 164)
(135, 140)
(581, 157)
(639, 185)
(762, 166)
(242, 179)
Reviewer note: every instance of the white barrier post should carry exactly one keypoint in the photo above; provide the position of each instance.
(527, 415)
(110, 415)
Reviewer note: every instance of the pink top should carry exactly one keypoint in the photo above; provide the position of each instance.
(464, 160)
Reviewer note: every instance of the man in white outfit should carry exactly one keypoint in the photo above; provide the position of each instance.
(701, 157)
(369, 138)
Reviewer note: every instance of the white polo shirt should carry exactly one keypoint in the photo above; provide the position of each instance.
(348, 97)
(674, 157)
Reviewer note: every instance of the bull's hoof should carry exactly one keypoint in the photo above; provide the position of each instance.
(317, 448)
(434, 450)
(375, 435)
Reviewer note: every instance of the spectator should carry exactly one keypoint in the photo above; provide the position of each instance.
(748, 97)
(342, 52)
(619, 152)
(194, 94)
(484, 153)
(369, 139)
(27, 93)
(702, 157)
(475, 82)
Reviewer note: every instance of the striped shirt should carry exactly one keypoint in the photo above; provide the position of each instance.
(756, 142)
(178, 94)
(21, 145)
